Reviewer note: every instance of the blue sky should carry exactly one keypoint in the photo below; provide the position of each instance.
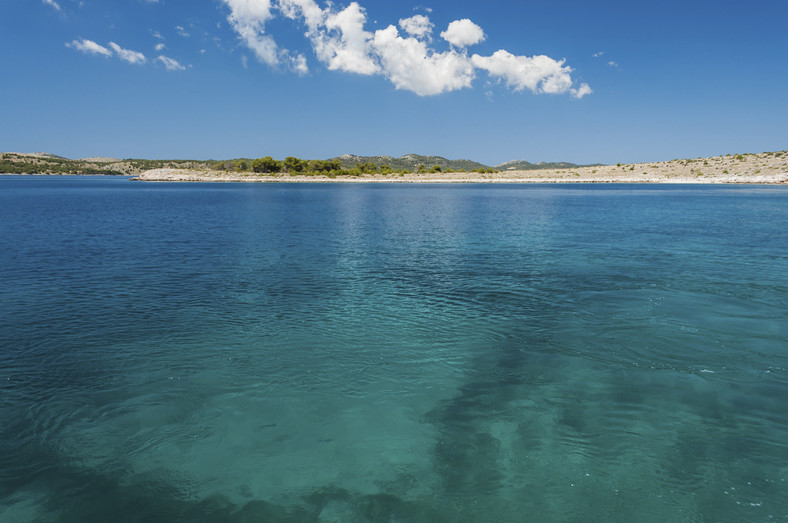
(560, 80)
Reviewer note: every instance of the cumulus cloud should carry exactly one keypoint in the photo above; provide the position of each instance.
(581, 91)
(341, 42)
(417, 25)
(313, 16)
(127, 55)
(89, 47)
(160, 46)
(298, 64)
(408, 64)
(462, 33)
(248, 19)
(539, 74)
(169, 63)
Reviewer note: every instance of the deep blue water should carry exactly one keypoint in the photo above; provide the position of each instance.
(250, 352)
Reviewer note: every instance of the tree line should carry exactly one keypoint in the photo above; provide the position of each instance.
(296, 166)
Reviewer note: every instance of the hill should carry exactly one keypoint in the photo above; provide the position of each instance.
(410, 162)
(45, 163)
(522, 165)
(762, 168)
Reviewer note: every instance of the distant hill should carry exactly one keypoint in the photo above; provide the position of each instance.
(46, 163)
(40, 155)
(100, 159)
(522, 165)
(410, 162)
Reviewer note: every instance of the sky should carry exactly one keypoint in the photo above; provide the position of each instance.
(560, 80)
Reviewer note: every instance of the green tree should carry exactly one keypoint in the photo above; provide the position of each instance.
(436, 169)
(295, 165)
(321, 166)
(241, 166)
(367, 168)
(266, 165)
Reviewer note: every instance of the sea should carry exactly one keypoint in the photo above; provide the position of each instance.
(392, 352)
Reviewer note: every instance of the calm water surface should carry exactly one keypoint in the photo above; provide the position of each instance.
(242, 352)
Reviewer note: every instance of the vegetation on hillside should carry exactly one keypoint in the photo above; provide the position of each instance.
(15, 163)
(345, 165)
(411, 162)
(522, 165)
(342, 166)
(12, 163)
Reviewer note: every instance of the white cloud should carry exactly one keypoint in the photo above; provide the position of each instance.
(160, 46)
(581, 91)
(157, 34)
(417, 25)
(248, 19)
(598, 54)
(89, 47)
(132, 57)
(313, 16)
(611, 63)
(408, 64)
(462, 33)
(338, 39)
(341, 42)
(169, 63)
(539, 74)
(181, 31)
(53, 4)
(298, 64)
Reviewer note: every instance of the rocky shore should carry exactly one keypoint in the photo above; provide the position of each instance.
(763, 168)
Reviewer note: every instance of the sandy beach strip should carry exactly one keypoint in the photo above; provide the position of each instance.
(763, 168)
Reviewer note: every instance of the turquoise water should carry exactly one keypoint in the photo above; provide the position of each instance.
(244, 352)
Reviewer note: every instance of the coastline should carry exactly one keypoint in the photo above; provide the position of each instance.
(763, 168)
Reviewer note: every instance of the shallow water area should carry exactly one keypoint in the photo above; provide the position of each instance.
(309, 352)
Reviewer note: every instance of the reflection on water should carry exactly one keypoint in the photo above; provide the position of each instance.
(176, 352)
